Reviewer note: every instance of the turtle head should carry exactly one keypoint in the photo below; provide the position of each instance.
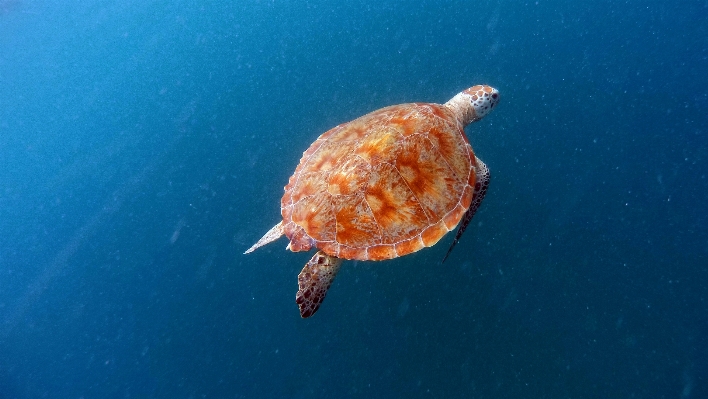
(474, 103)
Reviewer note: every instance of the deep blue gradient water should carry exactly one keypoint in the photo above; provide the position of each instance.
(144, 146)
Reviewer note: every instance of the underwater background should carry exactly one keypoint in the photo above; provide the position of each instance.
(144, 145)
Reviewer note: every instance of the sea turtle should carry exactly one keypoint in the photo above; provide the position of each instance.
(381, 186)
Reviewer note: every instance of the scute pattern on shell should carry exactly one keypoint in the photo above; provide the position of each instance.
(384, 185)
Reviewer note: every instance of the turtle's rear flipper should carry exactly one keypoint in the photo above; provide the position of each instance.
(314, 281)
(273, 234)
(480, 189)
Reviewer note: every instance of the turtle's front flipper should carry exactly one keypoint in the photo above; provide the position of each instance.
(314, 281)
(273, 234)
(480, 189)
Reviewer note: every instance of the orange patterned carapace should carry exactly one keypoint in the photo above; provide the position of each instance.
(381, 186)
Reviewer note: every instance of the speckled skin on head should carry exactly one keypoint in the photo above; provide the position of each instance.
(474, 103)
(381, 186)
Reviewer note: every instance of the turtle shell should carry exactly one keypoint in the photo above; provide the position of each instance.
(381, 186)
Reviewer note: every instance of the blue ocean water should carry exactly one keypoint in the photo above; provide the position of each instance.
(144, 146)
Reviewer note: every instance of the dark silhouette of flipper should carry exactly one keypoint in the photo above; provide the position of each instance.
(480, 189)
